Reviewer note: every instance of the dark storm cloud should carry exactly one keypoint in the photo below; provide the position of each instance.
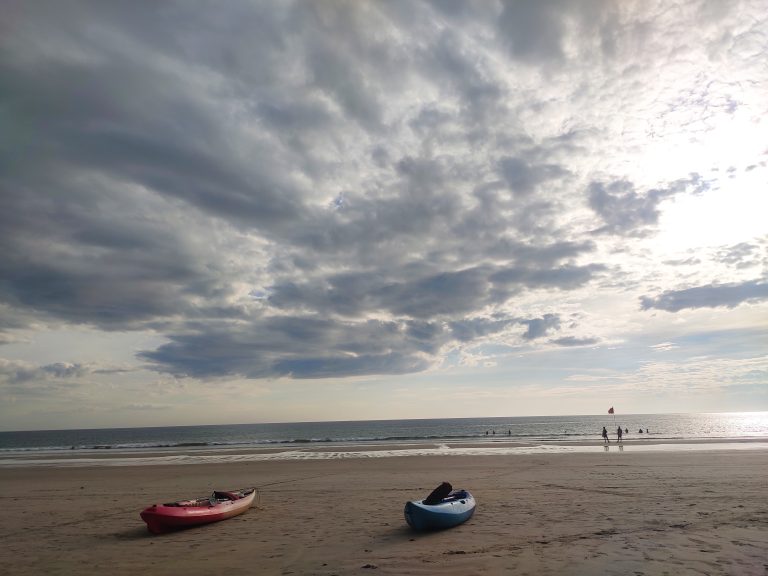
(473, 328)
(537, 32)
(311, 347)
(109, 134)
(523, 177)
(162, 137)
(629, 212)
(564, 277)
(445, 294)
(539, 327)
(711, 296)
(306, 189)
(300, 347)
(147, 124)
(98, 258)
(533, 30)
(622, 208)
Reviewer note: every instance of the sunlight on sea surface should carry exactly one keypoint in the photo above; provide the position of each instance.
(545, 430)
(746, 422)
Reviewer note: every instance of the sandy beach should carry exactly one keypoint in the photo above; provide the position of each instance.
(693, 512)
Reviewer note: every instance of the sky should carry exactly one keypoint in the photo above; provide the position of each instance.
(338, 210)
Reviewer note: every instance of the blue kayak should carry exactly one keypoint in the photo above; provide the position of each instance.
(450, 511)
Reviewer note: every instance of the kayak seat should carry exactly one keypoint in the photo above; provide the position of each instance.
(437, 495)
(226, 495)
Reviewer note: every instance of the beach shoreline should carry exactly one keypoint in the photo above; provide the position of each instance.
(222, 455)
(630, 512)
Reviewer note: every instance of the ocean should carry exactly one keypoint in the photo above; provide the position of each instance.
(539, 430)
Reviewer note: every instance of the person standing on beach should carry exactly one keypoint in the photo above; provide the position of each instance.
(605, 436)
(619, 432)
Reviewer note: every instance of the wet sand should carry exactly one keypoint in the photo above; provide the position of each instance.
(622, 513)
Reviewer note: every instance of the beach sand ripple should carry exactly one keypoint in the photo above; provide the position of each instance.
(571, 514)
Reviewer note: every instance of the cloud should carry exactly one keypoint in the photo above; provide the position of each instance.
(320, 189)
(523, 178)
(314, 347)
(539, 327)
(17, 371)
(64, 370)
(711, 296)
(471, 329)
(300, 347)
(143, 407)
(699, 375)
(574, 341)
(665, 346)
(626, 211)
(743, 255)
(534, 32)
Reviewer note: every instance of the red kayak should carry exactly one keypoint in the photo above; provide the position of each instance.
(218, 506)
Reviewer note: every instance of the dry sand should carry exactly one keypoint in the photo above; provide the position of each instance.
(576, 514)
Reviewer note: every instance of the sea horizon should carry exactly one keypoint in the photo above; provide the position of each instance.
(277, 422)
(560, 430)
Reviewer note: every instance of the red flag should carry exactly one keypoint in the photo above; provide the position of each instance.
(610, 410)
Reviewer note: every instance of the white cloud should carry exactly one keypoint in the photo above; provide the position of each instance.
(322, 190)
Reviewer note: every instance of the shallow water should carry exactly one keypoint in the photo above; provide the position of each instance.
(559, 430)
